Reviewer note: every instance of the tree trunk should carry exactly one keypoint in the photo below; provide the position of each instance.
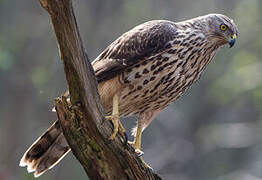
(82, 122)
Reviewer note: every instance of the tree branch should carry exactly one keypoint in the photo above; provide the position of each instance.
(82, 122)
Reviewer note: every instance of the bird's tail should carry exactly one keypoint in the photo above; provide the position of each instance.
(46, 151)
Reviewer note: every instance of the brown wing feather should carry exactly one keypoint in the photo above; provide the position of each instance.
(142, 41)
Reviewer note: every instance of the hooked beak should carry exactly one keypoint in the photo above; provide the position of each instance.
(232, 41)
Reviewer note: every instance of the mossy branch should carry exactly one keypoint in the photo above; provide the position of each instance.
(82, 122)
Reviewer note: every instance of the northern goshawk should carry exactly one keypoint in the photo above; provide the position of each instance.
(141, 73)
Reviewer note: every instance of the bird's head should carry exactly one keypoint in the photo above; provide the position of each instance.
(220, 29)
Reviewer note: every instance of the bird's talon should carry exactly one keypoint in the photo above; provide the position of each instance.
(139, 152)
(137, 148)
(125, 138)
(146, 165)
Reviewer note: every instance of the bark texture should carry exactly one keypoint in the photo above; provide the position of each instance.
(83, 122)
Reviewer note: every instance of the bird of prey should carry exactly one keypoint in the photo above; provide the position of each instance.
(141, 73)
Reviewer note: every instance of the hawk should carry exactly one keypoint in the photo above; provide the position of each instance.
(141, 73)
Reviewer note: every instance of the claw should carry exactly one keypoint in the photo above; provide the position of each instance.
(126, 138)
(137, 148)
(139, 152)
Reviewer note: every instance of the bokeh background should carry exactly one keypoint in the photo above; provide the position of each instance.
(214, 132)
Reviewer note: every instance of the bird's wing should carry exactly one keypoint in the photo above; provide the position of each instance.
(144, 40)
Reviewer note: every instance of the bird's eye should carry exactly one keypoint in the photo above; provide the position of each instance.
(223, 27)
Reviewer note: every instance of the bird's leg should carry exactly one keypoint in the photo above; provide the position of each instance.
(136, 144)
(118, 127)
(137, 141)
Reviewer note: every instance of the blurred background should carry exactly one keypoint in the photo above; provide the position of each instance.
(214, 132)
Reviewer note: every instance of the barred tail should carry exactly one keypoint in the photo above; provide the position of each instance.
(46, 151)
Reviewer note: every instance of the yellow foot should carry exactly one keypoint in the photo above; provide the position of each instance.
(137, 148)
(118, 127)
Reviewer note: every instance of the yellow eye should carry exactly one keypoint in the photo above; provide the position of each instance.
(223, 27)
